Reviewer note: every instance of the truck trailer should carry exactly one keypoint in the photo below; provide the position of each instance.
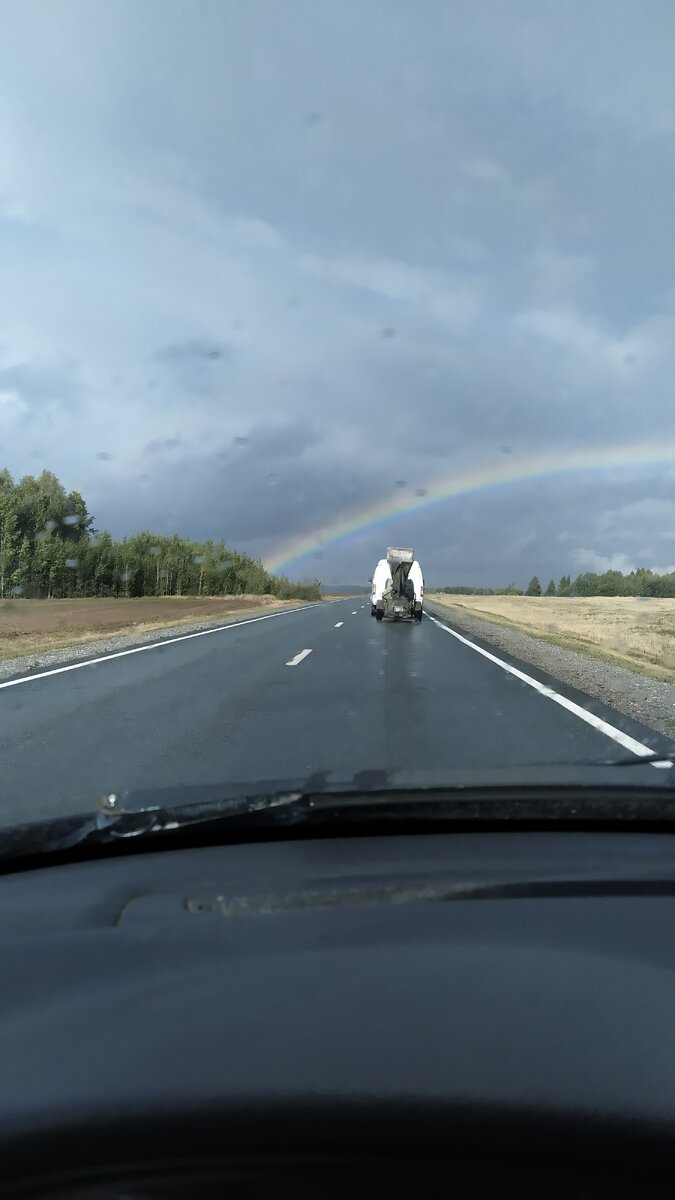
(397, 588)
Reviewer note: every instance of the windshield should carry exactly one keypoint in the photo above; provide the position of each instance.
(337, 346)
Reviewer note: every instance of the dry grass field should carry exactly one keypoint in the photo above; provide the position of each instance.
(636, 633)
(32, 626)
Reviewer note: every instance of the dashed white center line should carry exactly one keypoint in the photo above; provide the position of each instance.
(298, 658)
(354, 613)
(338, 624)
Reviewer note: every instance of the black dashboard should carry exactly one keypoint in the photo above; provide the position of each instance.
(382, 1015)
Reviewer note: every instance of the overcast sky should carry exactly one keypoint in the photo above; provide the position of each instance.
(262, 261)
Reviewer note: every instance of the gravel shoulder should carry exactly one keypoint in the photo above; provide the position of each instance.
(98, 647)
(646, 700)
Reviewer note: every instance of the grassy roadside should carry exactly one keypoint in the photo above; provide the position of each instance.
(626, 631)
(31, 627)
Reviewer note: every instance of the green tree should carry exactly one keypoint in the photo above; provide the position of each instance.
(534, 587)
(551, 590)
(565, 585)
(48, 547)
(9, 533)
(586, 584)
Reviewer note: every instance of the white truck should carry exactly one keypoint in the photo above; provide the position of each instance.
(397, 586)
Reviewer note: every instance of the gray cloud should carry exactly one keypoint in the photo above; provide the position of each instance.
(195, 349)
(260, 264)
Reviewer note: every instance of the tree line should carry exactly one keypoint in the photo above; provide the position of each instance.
(49, 548)
(641, 582)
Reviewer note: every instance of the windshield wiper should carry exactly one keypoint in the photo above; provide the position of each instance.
(664, 758)
(344, 812)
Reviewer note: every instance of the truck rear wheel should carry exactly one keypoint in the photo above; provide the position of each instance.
(379, 613)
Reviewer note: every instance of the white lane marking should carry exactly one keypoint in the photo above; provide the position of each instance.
(184, 637)
(338, 624)
(354, 613)
(298, 658)
(590, 718)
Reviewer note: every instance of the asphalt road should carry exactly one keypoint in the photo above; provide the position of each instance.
(308, 691)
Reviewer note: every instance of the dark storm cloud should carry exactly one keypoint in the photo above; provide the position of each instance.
(247, 503)
(301, 255)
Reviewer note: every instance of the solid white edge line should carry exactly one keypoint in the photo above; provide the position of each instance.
(610, 731)
(184, 637)
(298, 658)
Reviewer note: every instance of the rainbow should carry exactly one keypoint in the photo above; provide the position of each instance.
(479, 479)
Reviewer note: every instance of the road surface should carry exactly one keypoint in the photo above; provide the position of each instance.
(323, 689)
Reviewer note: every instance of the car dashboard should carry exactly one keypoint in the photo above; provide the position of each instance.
(377, 1014)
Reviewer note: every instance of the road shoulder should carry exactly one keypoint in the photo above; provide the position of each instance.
(110, 643)
(646, 700)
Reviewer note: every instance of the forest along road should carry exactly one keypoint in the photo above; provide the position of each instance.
(324, 688)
